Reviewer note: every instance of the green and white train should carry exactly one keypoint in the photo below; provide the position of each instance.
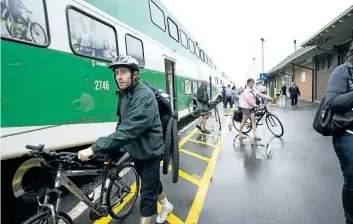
(55, 72)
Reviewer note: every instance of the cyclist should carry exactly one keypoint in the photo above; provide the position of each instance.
(15, 10)
(248, 105)
(203, 105)
(139, 131)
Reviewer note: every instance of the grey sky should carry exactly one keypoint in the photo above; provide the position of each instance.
(230, 31)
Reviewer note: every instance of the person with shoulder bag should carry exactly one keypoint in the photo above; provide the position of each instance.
(339, 123)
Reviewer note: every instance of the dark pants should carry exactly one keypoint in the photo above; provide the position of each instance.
(228, 100)
(294, 101)
(343, 146)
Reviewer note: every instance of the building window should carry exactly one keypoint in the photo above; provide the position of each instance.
(157, 15)
(191, 46)
(173, 30)
(184, 39)
(91, 37)
(134, 48)
(15, 18)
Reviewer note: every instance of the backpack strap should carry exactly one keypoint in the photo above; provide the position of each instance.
(350, 78)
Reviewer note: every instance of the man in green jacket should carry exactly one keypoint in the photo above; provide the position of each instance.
(139, 131)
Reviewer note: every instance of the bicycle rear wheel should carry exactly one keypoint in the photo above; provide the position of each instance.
(175, 149)
(271, 123)
(46, 218)
(167, 145)
(125, 193)
(247, 126)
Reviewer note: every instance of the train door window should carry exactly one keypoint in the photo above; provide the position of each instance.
(197, 51)
(134, 48)
(191, 46)
(17, 15)
(184, 39)
(173, 30)
(157, 15)
(90, 36)
(187, 84)
(194, 87)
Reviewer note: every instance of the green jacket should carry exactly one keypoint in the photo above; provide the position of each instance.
(139, 129)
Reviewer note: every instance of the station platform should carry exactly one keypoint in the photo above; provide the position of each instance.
(292, 179)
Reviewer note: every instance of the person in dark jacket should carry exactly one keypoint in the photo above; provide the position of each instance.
(341, 100)
(283, 95)
(203, 106)
(139, 131)
(294, 93)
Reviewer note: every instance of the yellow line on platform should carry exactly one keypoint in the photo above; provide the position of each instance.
(203, 143)
(171, 217)
(182, 142)
(200, 133)
(184, 175)
(205, 181)
(194, 154)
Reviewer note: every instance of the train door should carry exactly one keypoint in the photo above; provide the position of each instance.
(170, 80)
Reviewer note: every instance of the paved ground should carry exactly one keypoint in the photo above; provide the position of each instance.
(293, 179)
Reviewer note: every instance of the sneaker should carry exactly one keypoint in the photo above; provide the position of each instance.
(199, 127)
(167, 208)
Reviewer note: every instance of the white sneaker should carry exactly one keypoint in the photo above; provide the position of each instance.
(167, 208)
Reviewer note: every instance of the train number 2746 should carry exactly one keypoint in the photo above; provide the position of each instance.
(101, 85)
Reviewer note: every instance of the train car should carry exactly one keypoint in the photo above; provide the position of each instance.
(56, 87)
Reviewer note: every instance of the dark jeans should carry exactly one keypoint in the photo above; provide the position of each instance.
(228, 100)
(294, 101)
(343, 146)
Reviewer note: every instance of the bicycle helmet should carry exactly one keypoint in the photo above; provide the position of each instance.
(125, 61)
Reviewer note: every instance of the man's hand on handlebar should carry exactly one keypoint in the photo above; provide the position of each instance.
(85, 154)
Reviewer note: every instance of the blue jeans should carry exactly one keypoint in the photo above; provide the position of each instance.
(343, 146)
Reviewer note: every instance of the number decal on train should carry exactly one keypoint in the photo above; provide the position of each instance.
(101, 85)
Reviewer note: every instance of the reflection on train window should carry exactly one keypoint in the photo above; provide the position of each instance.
(157, 15)
(191, 46)
(24, 21)
(134, 48)
(173, 30)
(197, 51)
(187, 84)
(194, 87)
(89, 37)
(184, 39)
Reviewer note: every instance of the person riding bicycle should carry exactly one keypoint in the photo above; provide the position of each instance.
(15, 11)
(248, 105)
(203, 106)
(139, 131)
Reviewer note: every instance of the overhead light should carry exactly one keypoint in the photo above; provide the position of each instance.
(333, 26)
(327, 31)
(349, 14)
(341, 20)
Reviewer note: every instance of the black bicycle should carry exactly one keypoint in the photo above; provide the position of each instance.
(271, 120)
(116, 197)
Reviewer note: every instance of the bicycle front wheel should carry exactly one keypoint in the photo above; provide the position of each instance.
(247, 126)
(218, 120)
(175, 149)
(46, 218)
(123, 191)
(272, 122)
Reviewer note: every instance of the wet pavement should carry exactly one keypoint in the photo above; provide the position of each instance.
(292, 179)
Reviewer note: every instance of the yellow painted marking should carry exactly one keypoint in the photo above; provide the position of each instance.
(194, 155)
(204, 183)
(171, 217)
(184, 175)
(216, 136)
(203, 143)
(182, 142)
(116, 209)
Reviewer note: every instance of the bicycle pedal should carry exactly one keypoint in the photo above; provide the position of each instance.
(94, 216)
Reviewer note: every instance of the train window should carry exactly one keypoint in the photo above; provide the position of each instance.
(173, 30)
(206, 59)
(16, 27)
(197, 51)
(91, 37)
(134, 47)
(187, 84)
(191, 46)
(157, 15)
(194, 87)
(202, 55)
(184, 39)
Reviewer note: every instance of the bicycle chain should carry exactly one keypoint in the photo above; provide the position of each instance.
(57, 125)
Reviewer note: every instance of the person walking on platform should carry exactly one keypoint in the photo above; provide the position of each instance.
(140, 133)
(294, 93)
(283, 95)
(341, 100)
(203, 106)
(248, 104)
(229, 94)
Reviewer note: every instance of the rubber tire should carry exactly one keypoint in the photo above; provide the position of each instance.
(218, 118)
(191, 101)
(167, 145)
(244, 132)
(31, 31)
(110, 208)
(60, 215)
(175, 151)
(267, 119)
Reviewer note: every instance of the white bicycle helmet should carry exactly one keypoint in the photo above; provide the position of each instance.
(125, 61)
